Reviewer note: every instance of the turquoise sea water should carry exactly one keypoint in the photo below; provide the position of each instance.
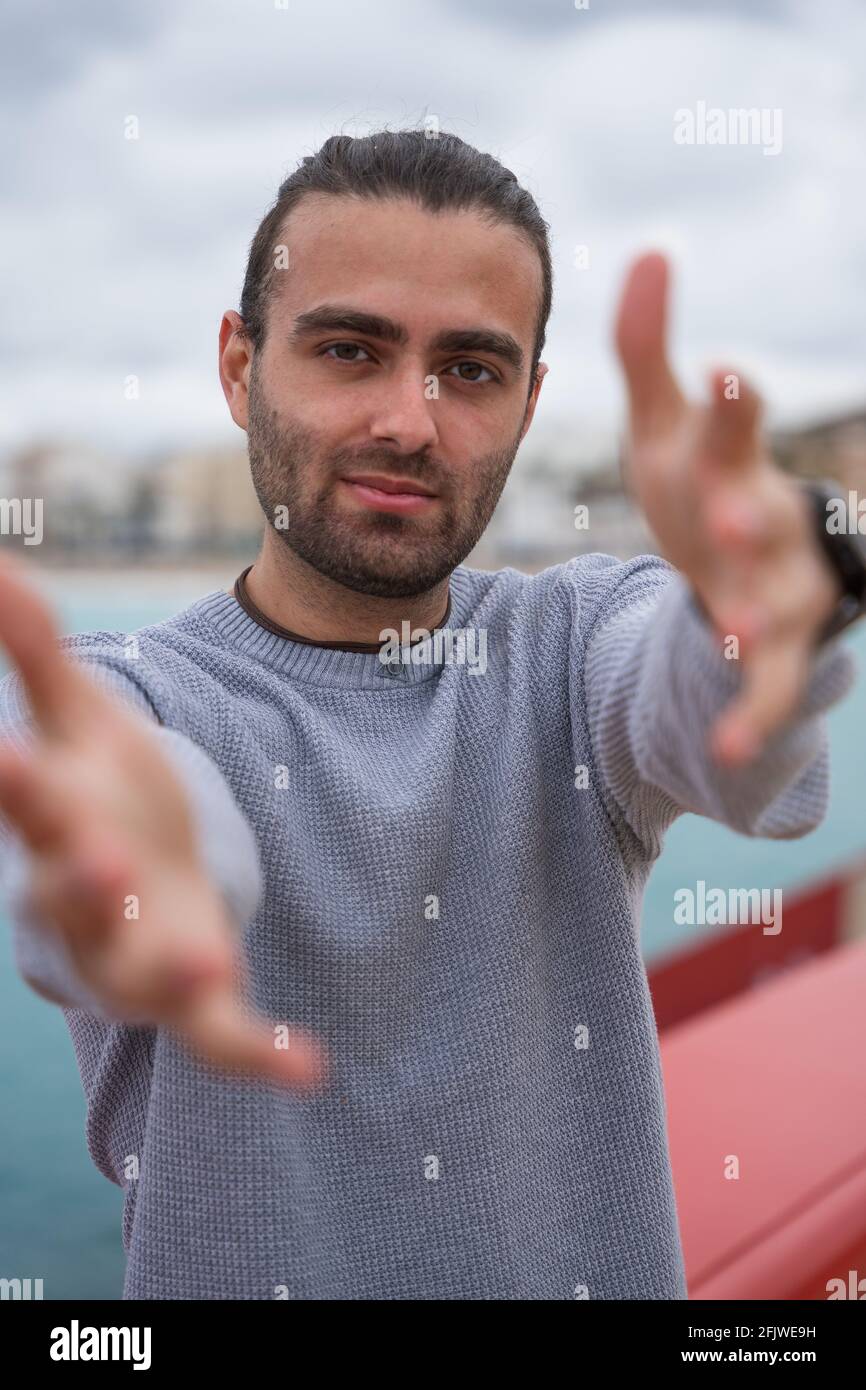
(59, 1218)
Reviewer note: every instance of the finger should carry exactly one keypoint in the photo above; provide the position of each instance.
(732, 421)
(83, 900)
(216, 1027)
(774, 679)
(655, 399)
(77, 872)
(738, 522)
(761, 605)
(28, 803)
(745, 619)
(89, 886)
(56, 689)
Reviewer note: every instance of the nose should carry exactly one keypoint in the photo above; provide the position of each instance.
(404, 415)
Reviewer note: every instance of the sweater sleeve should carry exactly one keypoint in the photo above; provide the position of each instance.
(655, 679)
(225, 838)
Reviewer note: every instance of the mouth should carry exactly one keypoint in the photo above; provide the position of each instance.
(384, 494)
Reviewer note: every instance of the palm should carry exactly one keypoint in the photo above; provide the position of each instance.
(114, 863)
(724, 515)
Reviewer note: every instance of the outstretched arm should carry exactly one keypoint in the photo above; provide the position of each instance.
(656, 684)
(704, 688)
(110, 810)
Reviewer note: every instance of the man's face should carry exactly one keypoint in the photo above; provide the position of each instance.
(428, 389)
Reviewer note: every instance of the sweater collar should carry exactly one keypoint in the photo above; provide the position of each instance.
(244, 598)
(333, 665)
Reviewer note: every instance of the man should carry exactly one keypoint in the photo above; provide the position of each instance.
(349, 946)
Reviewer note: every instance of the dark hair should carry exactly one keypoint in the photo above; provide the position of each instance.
(436, 169)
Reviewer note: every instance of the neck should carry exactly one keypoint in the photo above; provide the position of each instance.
(295, 596)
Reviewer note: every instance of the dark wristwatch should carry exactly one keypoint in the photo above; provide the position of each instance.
(844, 547)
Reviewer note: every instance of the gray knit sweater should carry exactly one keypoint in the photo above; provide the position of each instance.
(438, 868)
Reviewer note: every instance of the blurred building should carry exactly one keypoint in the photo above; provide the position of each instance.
(833, 448)
(565, 496)
(85, 495)
(206, 504)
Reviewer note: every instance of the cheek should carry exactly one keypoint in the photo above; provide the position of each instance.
(322, 407)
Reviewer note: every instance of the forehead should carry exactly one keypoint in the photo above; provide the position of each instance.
(429, 270)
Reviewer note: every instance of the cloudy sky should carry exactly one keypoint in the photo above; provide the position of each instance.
(121, 255)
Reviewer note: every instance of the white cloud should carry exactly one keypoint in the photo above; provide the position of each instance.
(124, 254)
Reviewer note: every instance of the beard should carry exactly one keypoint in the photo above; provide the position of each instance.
(369, 552)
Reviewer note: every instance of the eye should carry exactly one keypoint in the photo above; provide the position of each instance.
(474, 380)
(353, 347)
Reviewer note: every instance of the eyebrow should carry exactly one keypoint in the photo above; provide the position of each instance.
(345, 319)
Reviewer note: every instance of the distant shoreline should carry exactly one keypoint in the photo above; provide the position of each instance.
(214, 573)
(96, 563)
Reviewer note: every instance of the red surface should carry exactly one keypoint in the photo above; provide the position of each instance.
(776, 1076)
(735, 958)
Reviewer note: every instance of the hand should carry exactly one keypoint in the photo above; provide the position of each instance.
(737, 527)
(103, 817)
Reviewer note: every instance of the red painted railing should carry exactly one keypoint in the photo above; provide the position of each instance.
(766, 1097)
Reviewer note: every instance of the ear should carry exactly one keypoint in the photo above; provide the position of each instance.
(235, 361)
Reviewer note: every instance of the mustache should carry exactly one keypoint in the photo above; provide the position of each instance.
(416, 470)
(286, 448)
